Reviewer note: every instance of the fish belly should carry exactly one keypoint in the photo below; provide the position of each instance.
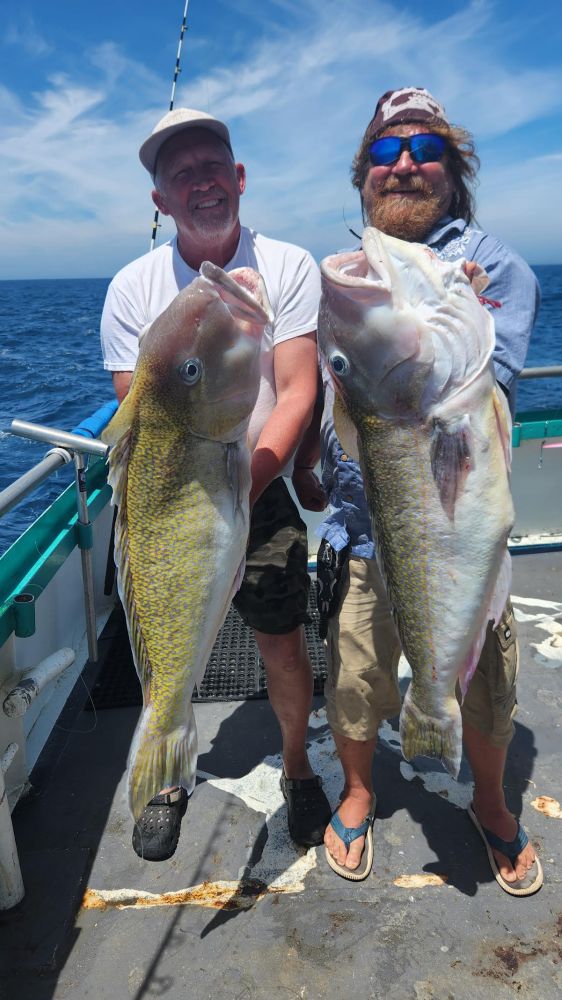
(441, 571)
(181, 536)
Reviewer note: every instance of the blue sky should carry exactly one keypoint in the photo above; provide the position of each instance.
(82, 84)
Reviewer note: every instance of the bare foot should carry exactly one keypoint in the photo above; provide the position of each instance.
(501, 822)
(352, 810)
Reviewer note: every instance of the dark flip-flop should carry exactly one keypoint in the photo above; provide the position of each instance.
(534, 878)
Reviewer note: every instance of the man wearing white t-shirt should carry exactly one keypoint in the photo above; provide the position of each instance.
(198, 183)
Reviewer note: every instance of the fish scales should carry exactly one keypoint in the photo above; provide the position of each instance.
(180, 471)
(397, 496)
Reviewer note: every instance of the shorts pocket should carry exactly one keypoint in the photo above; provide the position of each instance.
(507, 659)
(507, 631)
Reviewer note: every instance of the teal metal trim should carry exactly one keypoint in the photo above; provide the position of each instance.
(34, 558)
(536, 424)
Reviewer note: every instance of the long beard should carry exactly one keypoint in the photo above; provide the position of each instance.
(402, 217)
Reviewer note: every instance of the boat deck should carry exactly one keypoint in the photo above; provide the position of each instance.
(239, 912)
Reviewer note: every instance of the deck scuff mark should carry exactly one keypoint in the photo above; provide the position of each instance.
(547, 806)
(420, 881)
(220, 895)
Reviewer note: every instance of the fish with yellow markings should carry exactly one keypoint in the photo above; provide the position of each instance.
(180, 471)
(409, 347)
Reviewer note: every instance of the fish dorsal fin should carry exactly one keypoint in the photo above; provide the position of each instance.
(345, 429)
(118, 462)
(119, 433)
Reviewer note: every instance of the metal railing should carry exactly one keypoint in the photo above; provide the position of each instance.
(69, 446)
(549, 371)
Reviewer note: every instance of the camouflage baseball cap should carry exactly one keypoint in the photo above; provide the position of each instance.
(410, 104)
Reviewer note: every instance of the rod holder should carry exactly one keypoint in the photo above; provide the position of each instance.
(23, 606)
(32, 683)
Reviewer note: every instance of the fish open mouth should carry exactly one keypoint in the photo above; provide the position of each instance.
(356, 273)
(242, 289)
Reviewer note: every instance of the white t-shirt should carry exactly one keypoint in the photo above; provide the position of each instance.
(144, 288)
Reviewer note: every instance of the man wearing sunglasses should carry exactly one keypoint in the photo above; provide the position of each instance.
(414, 172)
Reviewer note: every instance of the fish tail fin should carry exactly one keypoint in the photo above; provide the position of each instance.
(428, 736)
(161, 761)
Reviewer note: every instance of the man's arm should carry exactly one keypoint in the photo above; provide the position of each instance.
(295, 366)
(514, 285)
(121, 384)
(307, 486)
(123, 317)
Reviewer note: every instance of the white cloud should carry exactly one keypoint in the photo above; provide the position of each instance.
(24, 34)
(297, 103)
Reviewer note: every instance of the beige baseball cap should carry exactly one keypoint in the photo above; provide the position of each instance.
(175, 121)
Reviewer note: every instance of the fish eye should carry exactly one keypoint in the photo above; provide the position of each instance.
(339, 364)
(191, 371)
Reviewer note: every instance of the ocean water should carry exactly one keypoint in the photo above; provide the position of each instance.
(51, 371)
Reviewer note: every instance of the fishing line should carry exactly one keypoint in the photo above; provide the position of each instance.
(352, 231)
(177, 71)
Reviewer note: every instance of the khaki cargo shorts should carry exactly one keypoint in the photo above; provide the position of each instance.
(363, 650)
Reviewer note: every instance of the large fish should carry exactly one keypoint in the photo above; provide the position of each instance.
(180, 472)
(410, 348)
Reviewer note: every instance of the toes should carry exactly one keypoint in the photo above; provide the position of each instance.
(338, 851)
(505, 867)
(355, 852)
(511, 873)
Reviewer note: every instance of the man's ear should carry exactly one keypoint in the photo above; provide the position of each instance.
(241, 175)
(160, 202)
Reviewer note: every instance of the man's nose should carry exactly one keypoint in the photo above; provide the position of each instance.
(404, 164)
(202, 181)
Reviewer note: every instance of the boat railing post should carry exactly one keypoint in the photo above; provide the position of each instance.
(11, 883)
(85, 544)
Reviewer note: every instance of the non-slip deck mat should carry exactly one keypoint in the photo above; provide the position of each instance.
(235, 671)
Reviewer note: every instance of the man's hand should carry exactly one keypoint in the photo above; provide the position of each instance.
(309, 490)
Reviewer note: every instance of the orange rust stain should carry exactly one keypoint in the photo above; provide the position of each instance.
(547, 806)
(91, 900)
(215, 895)
(419, 881)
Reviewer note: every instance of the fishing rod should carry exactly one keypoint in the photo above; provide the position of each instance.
(177, 71)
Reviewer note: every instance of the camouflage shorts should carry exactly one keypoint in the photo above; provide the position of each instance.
(273, 597)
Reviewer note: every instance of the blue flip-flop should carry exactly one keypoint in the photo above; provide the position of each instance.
(534, 878)
(348, 834)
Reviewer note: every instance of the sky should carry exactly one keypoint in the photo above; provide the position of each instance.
(83, 84)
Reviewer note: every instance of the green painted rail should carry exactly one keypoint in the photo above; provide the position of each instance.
(34, 558)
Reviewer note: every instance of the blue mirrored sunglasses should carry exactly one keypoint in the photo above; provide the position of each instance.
(423, 148)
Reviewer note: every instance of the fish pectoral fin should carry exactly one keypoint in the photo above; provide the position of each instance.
(345, 429)
(452, 458)
(120, 424)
